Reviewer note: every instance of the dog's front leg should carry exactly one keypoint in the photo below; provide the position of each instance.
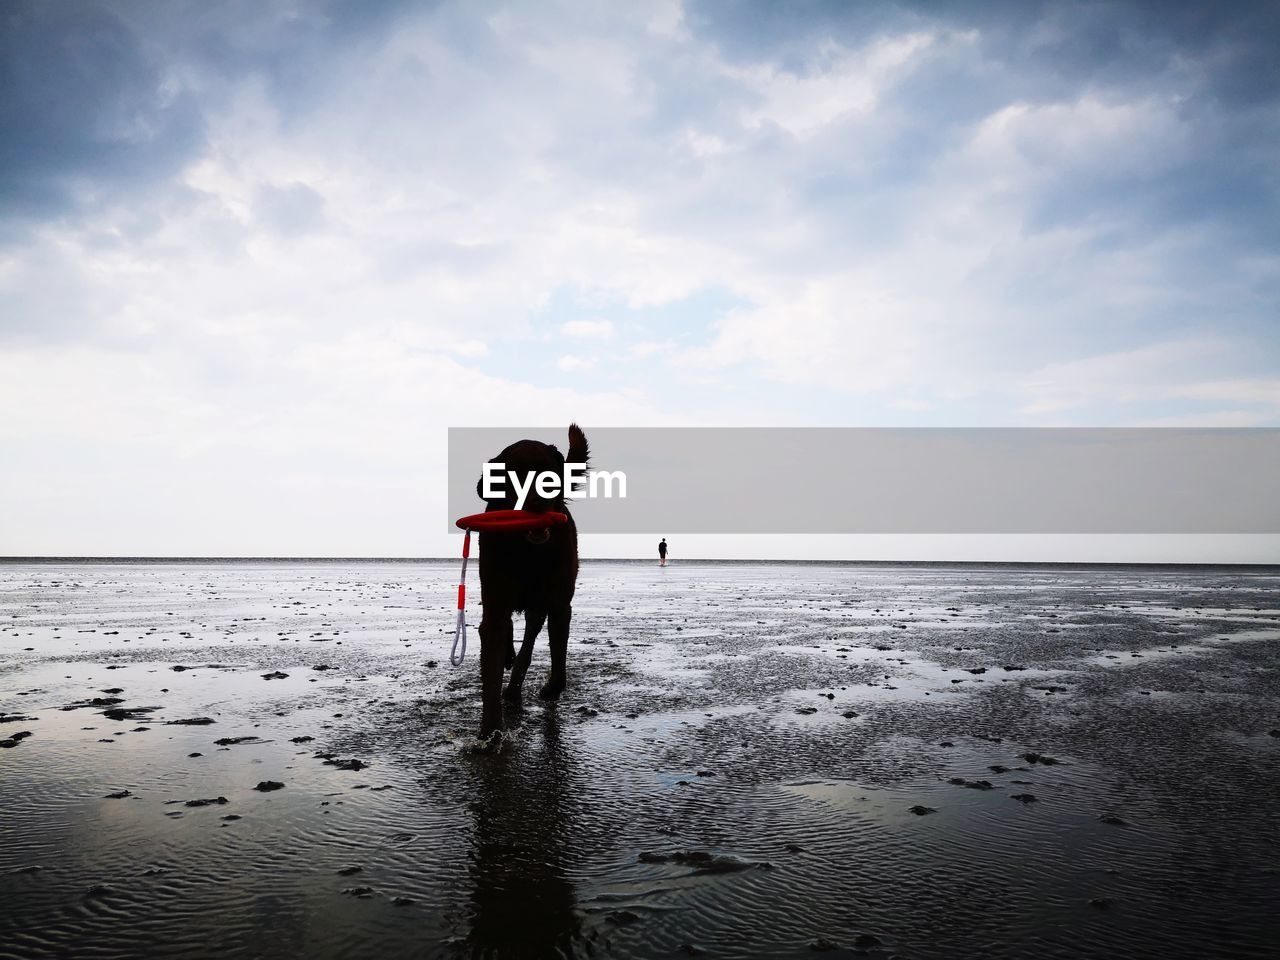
(558, 639)
(495, 641)
(533, 621)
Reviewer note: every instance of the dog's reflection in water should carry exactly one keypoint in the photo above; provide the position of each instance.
(522, 902)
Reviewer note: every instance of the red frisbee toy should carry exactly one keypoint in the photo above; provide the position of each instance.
(497, 521)
(491, 521)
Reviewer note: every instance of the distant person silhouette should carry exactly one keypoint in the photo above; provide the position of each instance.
(662, 552)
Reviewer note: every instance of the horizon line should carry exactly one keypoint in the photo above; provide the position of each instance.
(158, 558)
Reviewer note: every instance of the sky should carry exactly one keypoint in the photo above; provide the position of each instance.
(256, 258)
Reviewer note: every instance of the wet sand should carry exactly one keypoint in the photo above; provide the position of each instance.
(752, 760)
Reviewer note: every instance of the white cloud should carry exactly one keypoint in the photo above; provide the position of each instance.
(1089, 134)
(839, 83)
(570, 363)
(1154, 374)
(588, 329)
(844, 331)
(1121, 377)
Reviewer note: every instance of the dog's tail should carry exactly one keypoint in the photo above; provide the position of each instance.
(579, 452)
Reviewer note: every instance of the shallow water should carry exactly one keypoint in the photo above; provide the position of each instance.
(732, 772)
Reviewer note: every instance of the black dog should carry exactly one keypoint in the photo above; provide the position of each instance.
(534, 572)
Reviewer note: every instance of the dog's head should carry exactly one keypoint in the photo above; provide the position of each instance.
(525, 460)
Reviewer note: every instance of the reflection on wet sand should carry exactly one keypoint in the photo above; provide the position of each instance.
(522, 903)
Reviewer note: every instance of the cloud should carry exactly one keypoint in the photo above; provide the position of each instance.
(847, 83)
(87, 109)
(290, 210)
(1121, 377)
(588, 329)
(570, 363)
(471, 348)
(316, 234)
(1157, 374)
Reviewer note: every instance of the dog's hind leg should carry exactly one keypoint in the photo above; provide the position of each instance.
(533, 621)
(558, 636)
(495, 638)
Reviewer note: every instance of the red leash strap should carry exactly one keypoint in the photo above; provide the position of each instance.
(459, 651)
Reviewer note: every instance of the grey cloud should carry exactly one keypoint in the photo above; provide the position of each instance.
(1235, 45)
(291, 47)
(100, 100)
(403, 261)
(1219, 63)
(83, 107)
(289, 210)
(854, 191)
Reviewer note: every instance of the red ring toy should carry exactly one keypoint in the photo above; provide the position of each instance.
(498, 521)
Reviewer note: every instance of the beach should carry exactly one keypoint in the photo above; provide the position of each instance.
(275, 758)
